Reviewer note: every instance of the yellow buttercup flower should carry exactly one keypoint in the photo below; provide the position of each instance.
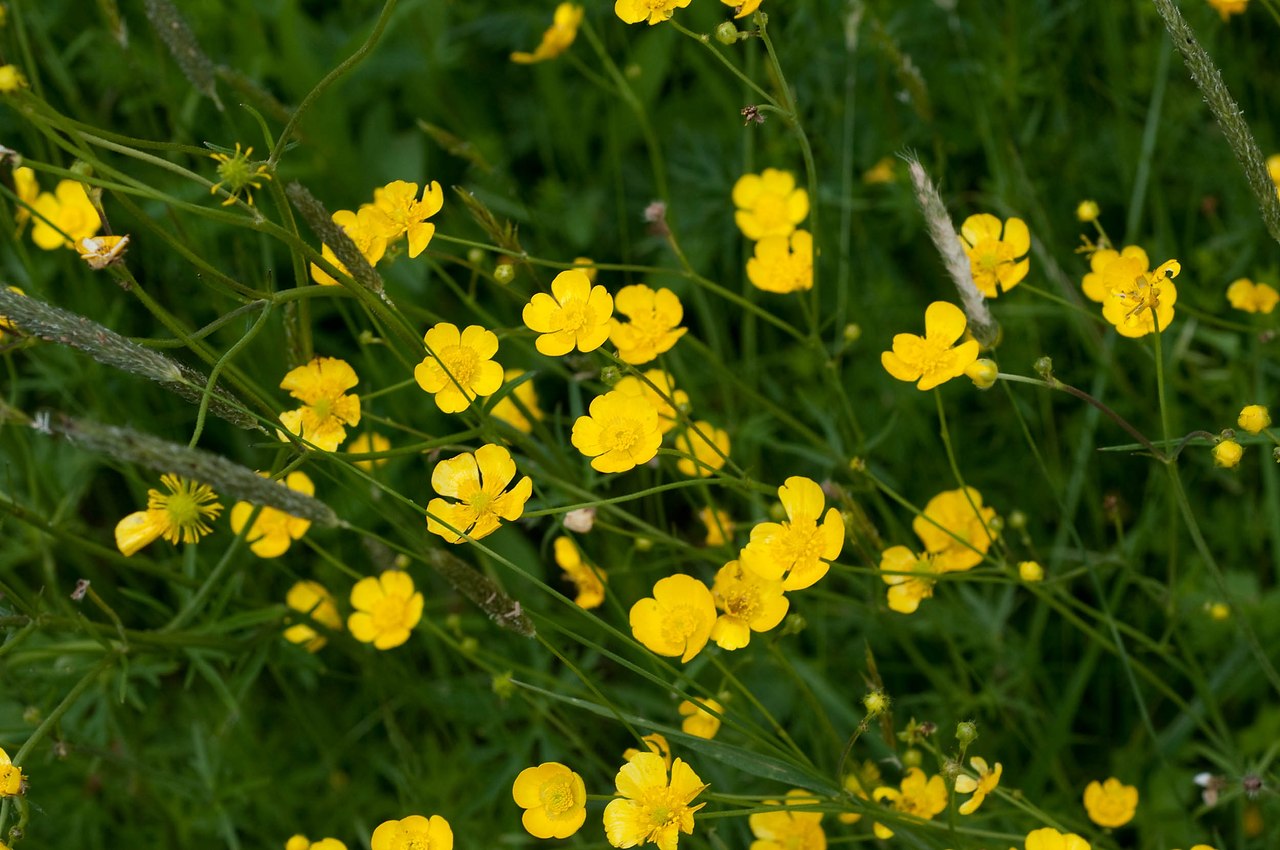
(1227, 8)
(1109, 268)
(479, 484)
(719, 526)
(918, 796)
(273, 531)
(11, 79)
(557, 38)
(12, 780)
(1110, 803)
(986, 782)
(366, 229)
(327, 410)
(956, 528)
(575, 315)
(654, 743)
(653, 11)
(404, 213)
(706, 448)
(783, 264)
(658, 388)
(1252, 297)
(301, 842)
(370, 442)
(750, 604)
(787, 829)
(459, 365)
(1129, 292)
(588, 578)
(1051, 839)
(930, 359)
(652, 809)
(698, 721)
(238, 174)
(64, 217)
(387, 608)
(313, 599)
(1227, 454)
(742, 8)
(413, 833)
(619, 433)
(910, 577)
(769, 204)
(508, 410)
(554, 799)
(652, 326)
(1254, 418)
(796, 551)
(180, 516)
(993, 254)
(677, 619)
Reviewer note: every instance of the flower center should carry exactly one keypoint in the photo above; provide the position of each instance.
(679, 623)
(801, 543)
(621, 434)
(388, 614)
(322, 408)
(461, 362)
(771, 210)
(742, 603)
(575, 316)
(183, 509)
(557, 796)
(479, 502)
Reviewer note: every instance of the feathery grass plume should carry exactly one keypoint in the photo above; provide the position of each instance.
(943, 233)
(503, 233)
(481, 590)
(53, 324)
(322, 224)
(1227, 112)
(181, 41)
(231, 480)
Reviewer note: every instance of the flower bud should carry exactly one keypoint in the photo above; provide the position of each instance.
(1087, 211)
(966, 732)
(1227, 454)
(643, 544)
(876, 703)
(1030, 571)
(475, 256)
(912, 758)
(727, 33)
(581, 520)
(1017, 520)
(504, 273)
(983, 373)
(1254, 418)
(1044, 367)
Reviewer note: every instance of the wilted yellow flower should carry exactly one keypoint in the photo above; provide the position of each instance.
(1051, 839)
(575, 315)
(13, 781)
(1252, 297)
(1227, 8)
(918, 796)
(619, 433)
(706, 447)
(653, 11)
(554, 799)
(957, 528)
(677, 619)
(479, 484)
(413, 833)
(719, 526)
(67, 211)
(274, 530)
(698, 721)
(654, 743)
(930, 359)
(988, 779)
(796, 551)
(653, 323)
(1110, 803)
(910, 577)
(327, 410)
(769, 204)
(658, 388)
(588, 578)
(1227, 454)
(387, 608)
(993, 255)
(181, 515)
(369, 442)
(11, 79)
(101, 251)
(238, 174)
(557, 38)
(313, 599)
(366, 229)
(459, 365)
(750, 604)
(787, 829)
(403, 213)
(783, 264)
(651, 809)
(1254, 418)
(513, 406)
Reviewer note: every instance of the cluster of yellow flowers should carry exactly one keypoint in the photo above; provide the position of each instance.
(769, 208)
(1135, 299)
(1253, 418)
(397, 212)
